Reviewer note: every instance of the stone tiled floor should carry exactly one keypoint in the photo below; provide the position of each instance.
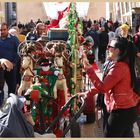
(95, 130)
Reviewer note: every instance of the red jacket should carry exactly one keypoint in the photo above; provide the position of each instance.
(116, 87)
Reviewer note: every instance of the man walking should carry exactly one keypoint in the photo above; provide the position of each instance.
(8, 50)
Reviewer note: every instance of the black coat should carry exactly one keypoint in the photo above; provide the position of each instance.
(103, 38)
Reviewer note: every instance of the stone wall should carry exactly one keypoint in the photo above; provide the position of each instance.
(97, 10)
(30, 10)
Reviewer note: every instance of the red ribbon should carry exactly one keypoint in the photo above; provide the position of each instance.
(46, 72)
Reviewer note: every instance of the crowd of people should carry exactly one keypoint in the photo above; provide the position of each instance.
(118, 47)
(112, 44)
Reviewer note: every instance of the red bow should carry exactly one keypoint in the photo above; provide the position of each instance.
(46, 72)
(46, 82)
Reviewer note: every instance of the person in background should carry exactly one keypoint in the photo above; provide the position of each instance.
(93, 33)
(8, 50)
(37, 32)
(118, 88)
(88, 46)
(95, 36)
(136, 38)
(103, 39)
(38, 21)
(111, 34)
(15, 31)
(124, 33)
(116, 25)
(118, 30)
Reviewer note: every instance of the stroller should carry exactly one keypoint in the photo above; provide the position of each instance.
(12, 120)
(14, 124)
(64, 121)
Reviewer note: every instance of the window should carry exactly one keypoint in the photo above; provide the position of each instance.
(122, 6)
(127, 6)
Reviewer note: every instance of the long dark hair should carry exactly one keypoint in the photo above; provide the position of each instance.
(127, 54)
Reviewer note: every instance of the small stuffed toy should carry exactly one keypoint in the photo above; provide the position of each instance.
(49, 76)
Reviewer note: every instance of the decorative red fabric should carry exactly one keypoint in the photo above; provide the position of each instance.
(95, 67)
(58, 133)
(89, 103)
(60, 101)
(81, 39)
(35, 95)
(53, 24)
(46, 72)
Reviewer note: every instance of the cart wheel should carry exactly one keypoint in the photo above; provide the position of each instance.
(75, 130)
(90, 117)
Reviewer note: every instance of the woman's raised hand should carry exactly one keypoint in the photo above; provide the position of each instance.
(85, 62)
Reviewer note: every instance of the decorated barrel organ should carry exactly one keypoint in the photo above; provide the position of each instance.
(50, 72)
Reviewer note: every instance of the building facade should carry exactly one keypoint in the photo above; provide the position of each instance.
(2, 13)
(126, 12)
(25, 11)
(96, 10)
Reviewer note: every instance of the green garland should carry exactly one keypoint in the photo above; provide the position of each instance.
(72, 29)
